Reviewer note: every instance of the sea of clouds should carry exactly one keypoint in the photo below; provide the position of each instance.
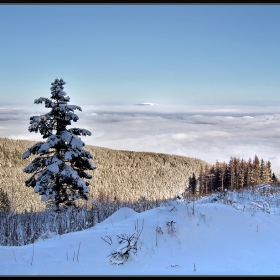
(209, 133)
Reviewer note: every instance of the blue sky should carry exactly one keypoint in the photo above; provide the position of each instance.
(128, 54)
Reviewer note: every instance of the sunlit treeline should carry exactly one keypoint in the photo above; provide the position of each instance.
(235, 174)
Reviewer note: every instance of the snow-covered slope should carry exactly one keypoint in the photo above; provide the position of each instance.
(230, 234)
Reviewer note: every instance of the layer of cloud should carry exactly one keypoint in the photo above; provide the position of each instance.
(207, 132)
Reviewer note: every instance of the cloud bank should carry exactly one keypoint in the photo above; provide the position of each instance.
(207, 132)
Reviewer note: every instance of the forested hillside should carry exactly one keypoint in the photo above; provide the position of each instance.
(120, 175)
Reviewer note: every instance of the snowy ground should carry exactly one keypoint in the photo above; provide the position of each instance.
(236, 234)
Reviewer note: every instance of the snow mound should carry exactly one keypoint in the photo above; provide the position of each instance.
(120, 215)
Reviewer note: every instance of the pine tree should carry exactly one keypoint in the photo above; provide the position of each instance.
(241, 174)
(274, 178)
(249, 173)
(222, 175)
(236, 168)
(256, 170)
(201, 178)
(205, 180)
(217, 178)
(269, 172)
(263, 172)
(212, 177)
(192, 183)
(62, 161)
(4, 201)
(231, 173)
(227, 176)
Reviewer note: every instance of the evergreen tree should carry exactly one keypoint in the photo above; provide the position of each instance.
(227, 176)
(241, 174)
(269, 171)
(222, 175)
(206, 179)
(192, 183)
(217, 179)
(231, 173)
(274, 178)
(236, 171)
(60, 167)
(256, 171)
(4, 201)
(201, 178)
(263, 172)
(212, 178)
(249, 173)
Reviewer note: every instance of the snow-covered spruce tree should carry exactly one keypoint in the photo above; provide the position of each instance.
(59, 168)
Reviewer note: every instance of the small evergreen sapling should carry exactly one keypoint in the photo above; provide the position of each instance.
(62, 161)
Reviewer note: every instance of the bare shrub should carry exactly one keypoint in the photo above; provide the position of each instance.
(171, 227)
(129, 246)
